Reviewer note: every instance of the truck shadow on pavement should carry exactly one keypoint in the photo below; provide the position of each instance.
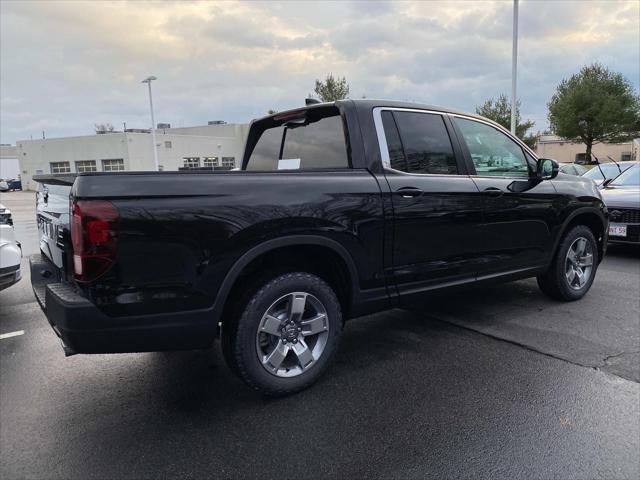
(407, 396)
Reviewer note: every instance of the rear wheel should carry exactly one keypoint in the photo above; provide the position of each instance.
(573, 268)
(286, 335)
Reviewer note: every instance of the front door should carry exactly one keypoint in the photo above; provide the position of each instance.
(436, 205)
(518, 209)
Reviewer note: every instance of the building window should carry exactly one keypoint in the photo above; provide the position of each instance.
(60, 167)
(113, 165)
(625, 157)
(167, 144)
(210, 162)
(228, 162)
(581, 158)
(86, 166)
(191, 162)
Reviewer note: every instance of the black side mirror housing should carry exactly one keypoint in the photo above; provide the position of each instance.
(547, 169)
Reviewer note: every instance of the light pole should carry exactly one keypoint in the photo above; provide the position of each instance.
(153, 122)
(514, 67)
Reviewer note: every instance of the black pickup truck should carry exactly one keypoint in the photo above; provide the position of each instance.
(340, 209)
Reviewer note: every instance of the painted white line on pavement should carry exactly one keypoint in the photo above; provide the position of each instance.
(11, 334)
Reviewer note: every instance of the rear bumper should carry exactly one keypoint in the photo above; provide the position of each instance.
(9, 276)
(83, 328)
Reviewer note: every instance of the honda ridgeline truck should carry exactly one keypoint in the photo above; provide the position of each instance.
(339, 209)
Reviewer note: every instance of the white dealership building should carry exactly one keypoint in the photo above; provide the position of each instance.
(216, 145)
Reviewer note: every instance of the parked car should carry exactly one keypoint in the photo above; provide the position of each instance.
(5, 215)
(4, 185)
(14, 184)
(10, 256)
(340, 209)
(52, 213)
(622, 197)
(607, 171)
(573, 169)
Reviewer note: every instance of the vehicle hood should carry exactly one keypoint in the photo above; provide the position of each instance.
(627, 197)
(576, 186)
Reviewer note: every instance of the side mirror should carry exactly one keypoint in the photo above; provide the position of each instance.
(547, 169)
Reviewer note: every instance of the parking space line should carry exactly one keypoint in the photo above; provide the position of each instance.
(11, 334)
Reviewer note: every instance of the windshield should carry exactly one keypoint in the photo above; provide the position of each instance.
(630, 177)
(611, 170)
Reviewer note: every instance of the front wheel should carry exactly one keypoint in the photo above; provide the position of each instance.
(286, 335)
(573, 268)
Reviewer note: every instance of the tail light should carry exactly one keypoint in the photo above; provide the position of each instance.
(94, 235)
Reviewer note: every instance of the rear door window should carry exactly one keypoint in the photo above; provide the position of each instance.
(314, 142)
(418, 143)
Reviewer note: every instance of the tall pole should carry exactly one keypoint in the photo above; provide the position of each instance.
(153, 122)
(514, 67)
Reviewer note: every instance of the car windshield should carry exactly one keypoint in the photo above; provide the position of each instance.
(610, 170)
(630, 177)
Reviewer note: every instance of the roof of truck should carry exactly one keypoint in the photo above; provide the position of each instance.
(369, 104)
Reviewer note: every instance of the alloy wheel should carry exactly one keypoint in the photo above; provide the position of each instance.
(579, 263)
(292, 334)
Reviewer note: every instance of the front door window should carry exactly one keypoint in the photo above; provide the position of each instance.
(493, 153)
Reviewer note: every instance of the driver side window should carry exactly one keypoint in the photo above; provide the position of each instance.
(493, 153)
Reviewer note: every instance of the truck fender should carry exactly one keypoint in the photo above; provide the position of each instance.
(269, 245)
(601, 213)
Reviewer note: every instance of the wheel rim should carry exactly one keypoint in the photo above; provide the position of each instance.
(579, 263)
(292, 334)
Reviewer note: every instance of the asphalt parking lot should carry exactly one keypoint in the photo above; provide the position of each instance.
(496, 383)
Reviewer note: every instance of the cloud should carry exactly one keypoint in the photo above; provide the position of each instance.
(68, 65)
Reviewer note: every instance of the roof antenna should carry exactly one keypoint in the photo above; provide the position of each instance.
(311, 101)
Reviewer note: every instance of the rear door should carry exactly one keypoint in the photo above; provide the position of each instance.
(518, 209)
(436, 210)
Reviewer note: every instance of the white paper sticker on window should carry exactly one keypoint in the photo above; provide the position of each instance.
(289, 164)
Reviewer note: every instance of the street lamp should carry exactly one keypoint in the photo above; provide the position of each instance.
(514, 67)
(153, 122)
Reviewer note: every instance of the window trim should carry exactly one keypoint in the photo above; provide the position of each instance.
(120, 161)
(384, 148)
(76, 162)
(68, 162)
(186, 160)
(463, 144)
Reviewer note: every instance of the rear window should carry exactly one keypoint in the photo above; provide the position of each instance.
(311, 142)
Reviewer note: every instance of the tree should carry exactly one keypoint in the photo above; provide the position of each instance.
(500, 112)
(332, 89)
(103, 128)
(271, 111)
(595, 105)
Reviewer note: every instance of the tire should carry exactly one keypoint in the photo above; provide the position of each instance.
(285, 334)
(559, 282)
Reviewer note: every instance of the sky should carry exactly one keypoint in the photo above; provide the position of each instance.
(65, 66)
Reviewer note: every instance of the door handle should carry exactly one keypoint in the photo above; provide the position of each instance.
(493, 191)
(409, 192)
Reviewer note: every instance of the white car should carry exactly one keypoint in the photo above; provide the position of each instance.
(607, 171)
(10, 256)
